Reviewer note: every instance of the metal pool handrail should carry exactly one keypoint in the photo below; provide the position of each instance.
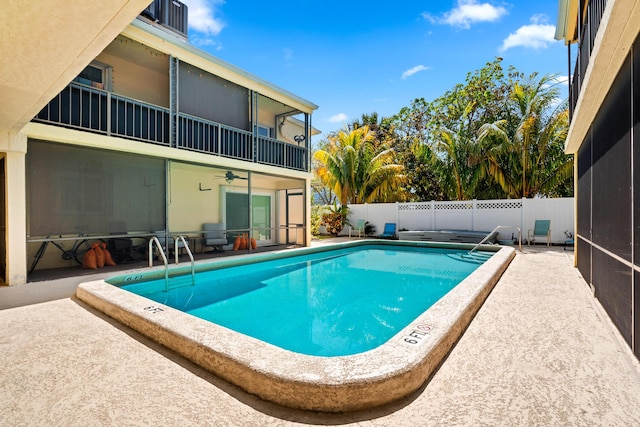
(186, 246)
(496, 229)
(155, 240)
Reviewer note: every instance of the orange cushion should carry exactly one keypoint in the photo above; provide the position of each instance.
(99, 255)
(89, 260)
(108, 259)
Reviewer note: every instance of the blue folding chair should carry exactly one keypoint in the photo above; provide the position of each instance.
(389, 231)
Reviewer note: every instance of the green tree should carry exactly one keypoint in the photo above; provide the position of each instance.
(497, 135)
(441, 135)
(523, 153)
(322, 193)
(358, 169)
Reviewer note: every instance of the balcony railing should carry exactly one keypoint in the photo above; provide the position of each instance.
(588, 31)
(273, 152)
(214, 138)
(96, 110)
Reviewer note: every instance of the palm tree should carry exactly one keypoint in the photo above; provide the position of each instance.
(452, 149)
(523, 154)
(358, 169)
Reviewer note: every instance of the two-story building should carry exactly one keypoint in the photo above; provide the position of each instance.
(604, 60)
(153, 136)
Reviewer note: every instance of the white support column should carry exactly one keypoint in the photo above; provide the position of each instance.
(16, 207)
(433, 214)
(307, 213)
(474, 212)
(523, 217)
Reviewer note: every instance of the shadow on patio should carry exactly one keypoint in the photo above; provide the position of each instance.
(540, 351)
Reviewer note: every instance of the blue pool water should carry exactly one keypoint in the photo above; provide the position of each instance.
(333, 303)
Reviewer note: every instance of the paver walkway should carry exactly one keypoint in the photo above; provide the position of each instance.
(540, 352)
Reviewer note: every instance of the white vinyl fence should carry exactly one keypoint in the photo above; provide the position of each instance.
(475, 215)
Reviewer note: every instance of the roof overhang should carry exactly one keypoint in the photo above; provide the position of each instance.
(45, 44)
(567, 22)
(162, 41)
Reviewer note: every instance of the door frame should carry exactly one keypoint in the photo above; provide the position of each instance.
(224, 189)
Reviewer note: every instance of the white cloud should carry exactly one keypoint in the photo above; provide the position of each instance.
(539, 18)
(535, 35)
(288, 54)
(429, 17)
(557, 81)
(469, 12)
(561, 79)
(555, 102)
(205, 42)
(410, 72)
(202, 16)
(338, 118)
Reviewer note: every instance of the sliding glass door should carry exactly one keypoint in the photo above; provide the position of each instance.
(237, 216)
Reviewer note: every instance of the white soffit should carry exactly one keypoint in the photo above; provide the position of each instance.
(45, 44)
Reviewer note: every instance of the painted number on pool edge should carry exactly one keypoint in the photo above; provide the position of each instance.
(153, 309)
(420, 331)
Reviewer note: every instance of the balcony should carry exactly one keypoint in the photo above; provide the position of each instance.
(171, 14)
(587, 30)
(96, 110)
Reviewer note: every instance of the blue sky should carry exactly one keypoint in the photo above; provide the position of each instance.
(352, 57)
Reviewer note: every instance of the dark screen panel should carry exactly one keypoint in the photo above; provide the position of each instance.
(636, 152)
(211, 97)
(611, 179)
(584, 188)
(77, 190)
(612, 281)
(583, 251)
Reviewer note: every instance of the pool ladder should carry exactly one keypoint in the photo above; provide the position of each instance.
(154, 241)
(496, 229)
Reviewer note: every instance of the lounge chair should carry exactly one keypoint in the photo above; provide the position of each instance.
(359, 228)
(542, 227)
(389, 231)
(215, 235)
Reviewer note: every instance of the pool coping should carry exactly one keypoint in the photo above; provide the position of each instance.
(332, 384)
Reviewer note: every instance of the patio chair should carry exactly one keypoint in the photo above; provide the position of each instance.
(169, 246)
(569, 242)
(215, 235)
(389, 231)
(121, 249)
(359, 228)
(542, 227)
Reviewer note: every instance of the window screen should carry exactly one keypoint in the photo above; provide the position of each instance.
(77, 190)
(213, 98)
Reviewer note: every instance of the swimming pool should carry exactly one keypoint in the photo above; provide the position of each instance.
(362, 378)
(335, 303)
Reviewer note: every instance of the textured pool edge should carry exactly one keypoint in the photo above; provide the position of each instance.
(332, 384)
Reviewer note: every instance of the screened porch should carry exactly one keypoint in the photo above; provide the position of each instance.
(78, 193)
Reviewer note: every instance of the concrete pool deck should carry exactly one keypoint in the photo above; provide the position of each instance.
(541, 351)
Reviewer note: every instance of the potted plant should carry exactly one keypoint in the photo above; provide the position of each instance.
(369, 229)
(335, 219)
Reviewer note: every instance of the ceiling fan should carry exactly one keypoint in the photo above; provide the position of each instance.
(229, 176)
